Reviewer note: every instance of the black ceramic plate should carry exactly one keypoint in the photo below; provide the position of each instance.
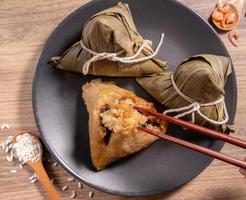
(62, 118)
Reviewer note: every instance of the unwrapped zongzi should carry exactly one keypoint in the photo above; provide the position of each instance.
(113, 122)
(110, 31)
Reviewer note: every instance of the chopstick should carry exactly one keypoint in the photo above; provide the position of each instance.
(199, 129)
(195, 147)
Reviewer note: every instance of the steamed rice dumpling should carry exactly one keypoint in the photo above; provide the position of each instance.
(113, 122)
(110, 31)
(197, 86)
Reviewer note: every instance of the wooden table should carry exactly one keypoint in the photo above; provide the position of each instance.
(24, 28)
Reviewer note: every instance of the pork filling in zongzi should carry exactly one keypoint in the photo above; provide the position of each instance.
(121, 117)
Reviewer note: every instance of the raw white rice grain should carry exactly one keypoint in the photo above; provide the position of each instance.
(3, 145)
(64, 188)
(73, 195)
(36, 176)
(10, 145)
(32, 177)
(7, 149)
(80, 186)
(20, 166)
(13, 171)
(11, 158)
(70, 179)
(9, 140)
(91, 194)
(5, 126)
(55, 164)
(8, 158)
(34, 181)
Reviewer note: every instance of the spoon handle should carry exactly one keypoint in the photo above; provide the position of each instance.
(44, 179)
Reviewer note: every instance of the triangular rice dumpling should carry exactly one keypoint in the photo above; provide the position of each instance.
(201, 77)
(113, 122)
(111, 31)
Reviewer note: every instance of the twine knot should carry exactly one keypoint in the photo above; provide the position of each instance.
(195, 107)
(115, 56)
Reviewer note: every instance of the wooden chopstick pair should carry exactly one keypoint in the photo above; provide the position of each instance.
(198, 129)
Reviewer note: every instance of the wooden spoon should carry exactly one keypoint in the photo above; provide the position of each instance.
(38, 167)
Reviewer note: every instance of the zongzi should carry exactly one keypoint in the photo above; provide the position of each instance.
(111, 46)
(113, 122)
(195, 90)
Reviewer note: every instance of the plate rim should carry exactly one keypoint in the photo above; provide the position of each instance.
(68, 169)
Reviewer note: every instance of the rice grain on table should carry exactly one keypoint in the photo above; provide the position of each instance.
(11, 158)
(5, 126)
(64, 188)
(8, 158)
(13, 171)
(91, 194)
(7, 149)
(36, 176)
(20, 166)
(55, 164)
(10, 155)
(34, 181)
(80, 186)
(32, 177)
(70, 179)
(3, 145)
(9, 140)
(10, 145)
(73, 195)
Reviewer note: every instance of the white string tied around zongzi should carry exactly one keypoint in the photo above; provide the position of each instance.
(115, 56)
(195, 106)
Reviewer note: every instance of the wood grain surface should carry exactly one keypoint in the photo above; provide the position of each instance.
(24, 28)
